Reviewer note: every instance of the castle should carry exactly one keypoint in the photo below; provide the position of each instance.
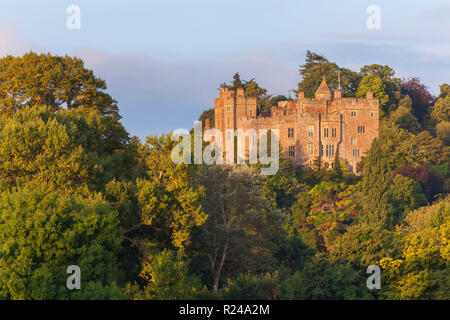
(309, 128)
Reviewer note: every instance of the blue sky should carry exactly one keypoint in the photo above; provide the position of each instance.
(164, 59)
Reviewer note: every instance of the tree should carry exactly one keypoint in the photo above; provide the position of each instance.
(251, 287)
(405, 195)
(440, 115)
(240, 230)
(65, 150)
(443, 132)
(59, 82)
(421, 98)
(337, 168)
(421, 272)
(207, 115)
(392, 149)
(441, 109)
(316, 67)
(167, 278)
(376, 85)
(321, 279)
(170, 203)
(323, 213)
(431, 182)
(282, 187)
(403, 117)
(424, 148)
(388, 91)
(237, 83)
(43, 232)
(364, 244)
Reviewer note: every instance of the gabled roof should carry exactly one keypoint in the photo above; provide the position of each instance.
(323, 88)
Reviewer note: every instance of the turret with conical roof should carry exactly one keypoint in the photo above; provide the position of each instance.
(323, 92)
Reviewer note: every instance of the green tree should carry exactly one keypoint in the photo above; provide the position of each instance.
(237, 83)
(43, 232)
(207, 115)
(323, 213)
(321, 280)
(167, 278)
(63, 150)
(239, 234)
(403, 117)
(376, 85)
(59, 82)
(364, 244)
(382, 82)
(316, 67)
(422, 270)
(251, 287)
(170, 204)
(443, 132)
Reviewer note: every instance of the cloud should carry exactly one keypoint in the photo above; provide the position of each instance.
(159, 96)
(13, 41)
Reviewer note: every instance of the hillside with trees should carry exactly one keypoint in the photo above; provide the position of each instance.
(76, 189)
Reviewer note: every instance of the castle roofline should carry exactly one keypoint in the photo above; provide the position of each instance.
(323, 88)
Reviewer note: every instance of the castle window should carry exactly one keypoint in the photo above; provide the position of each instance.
(353, 141)
(291, 151)
(311, 149)
(228, 120)
(228, 135)
(254, 140)
(371, 114)
(251, 113)
(325, 132)
(329, 150)
(356, 152)
(228, 108)
(361, 129)
(310, 131)
(333, 132)
(290, 132)
(353, 114)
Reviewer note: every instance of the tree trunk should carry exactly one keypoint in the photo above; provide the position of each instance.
(222, 262)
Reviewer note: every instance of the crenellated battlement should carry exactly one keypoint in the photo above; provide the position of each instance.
(323, 126)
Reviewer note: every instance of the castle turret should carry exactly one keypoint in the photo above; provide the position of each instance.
(323, 92)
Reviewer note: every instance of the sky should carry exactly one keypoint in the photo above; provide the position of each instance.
(163, 60)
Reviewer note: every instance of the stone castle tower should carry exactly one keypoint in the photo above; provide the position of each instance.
(322, 127)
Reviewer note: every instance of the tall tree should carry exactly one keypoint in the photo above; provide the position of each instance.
(382, 82)
(170, 203)
(420, 96)
(59, 82)
(316, 67)
(240, 227)
(66, 150)
(43, 232)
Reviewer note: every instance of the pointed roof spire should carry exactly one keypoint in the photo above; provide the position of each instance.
(323, 88)
(323, 92)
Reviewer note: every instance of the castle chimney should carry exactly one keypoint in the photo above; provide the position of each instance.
(369, 95)
(240, 91)
(206, 124)
(301, 95)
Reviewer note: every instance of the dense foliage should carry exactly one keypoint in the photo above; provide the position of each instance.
(75, 189)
